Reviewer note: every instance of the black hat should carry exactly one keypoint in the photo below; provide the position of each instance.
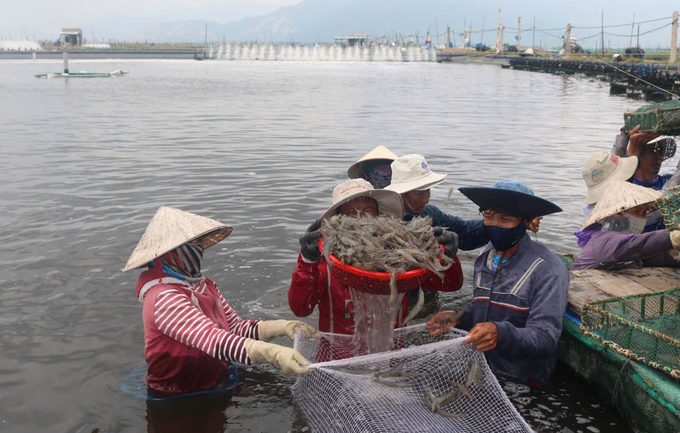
(510, 197)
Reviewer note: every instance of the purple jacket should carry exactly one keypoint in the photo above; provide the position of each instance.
(526, 302)
(614, 250)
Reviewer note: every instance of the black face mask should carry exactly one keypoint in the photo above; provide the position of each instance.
(379, 179)
(504, 239)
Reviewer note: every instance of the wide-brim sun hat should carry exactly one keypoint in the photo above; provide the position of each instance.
(379, 153)
(411, 172)
(171, 228)
(618, 197)
(510, 197)
(389, 203)
(668, 143)
(601, 169)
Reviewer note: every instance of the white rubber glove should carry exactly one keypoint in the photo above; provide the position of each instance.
(675, 239)
(289, 360)
(278, 328)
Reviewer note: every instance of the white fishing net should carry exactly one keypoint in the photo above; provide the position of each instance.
(344, 393)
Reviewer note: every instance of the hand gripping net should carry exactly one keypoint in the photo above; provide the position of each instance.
(344, 395)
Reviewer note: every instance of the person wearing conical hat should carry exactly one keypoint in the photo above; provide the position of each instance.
(599, 170)
(313, 284)
(374, 167)
(520, 288)
(191, 333)
(612, 236)
(652, 150)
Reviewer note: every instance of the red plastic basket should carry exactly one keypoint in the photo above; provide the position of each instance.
(377, 283)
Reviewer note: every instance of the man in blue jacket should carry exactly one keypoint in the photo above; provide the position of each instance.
(520, 288)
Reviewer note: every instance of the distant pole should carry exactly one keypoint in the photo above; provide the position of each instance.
(674, 38)
(502, 31)
(436, 29)
(448, 36)
(498, 33)
(481, 39)
(65, 55)
(638, 36)
(602, 32)
(533, 37)
(632, 28)
(567, 44)
(206, 34)
(519, 34)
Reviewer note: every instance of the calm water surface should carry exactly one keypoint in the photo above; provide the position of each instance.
(85, 163)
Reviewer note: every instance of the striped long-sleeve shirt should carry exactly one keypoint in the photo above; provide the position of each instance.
(178, 314)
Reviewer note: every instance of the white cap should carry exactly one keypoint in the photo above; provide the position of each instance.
(389, 202)
(411, 172)
(601, 169)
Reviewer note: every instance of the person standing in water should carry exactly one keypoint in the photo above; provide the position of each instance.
(191, 332)
(520, 288)
(313, 284)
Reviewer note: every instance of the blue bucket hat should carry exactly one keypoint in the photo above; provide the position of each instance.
(510, 197)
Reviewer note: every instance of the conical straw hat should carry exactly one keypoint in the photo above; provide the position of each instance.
(620, 196)
(380, 152)
(170, 228)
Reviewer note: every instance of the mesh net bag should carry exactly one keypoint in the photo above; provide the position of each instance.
(388, 391)
(663, 118)
(645, 327)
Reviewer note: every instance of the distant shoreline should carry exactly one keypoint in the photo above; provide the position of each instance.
(188, 54)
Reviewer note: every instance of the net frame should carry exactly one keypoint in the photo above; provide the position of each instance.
(604, 322)
(334, 400)
(663, 118)
(669, 204)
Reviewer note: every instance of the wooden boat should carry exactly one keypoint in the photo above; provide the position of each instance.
(80, 74)
(648, 399)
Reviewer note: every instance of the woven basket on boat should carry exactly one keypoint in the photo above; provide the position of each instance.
(377, 283)
(663, 118)
(645, 327)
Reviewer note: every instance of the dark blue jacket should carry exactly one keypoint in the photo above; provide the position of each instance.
(527, 306)
(470, 233)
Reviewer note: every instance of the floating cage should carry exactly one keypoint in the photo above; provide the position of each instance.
(645, 328)
(662, 118)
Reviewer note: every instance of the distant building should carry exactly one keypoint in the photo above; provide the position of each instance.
(354, 39)
(71, 37)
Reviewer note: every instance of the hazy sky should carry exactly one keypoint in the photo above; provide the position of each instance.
(36, 14)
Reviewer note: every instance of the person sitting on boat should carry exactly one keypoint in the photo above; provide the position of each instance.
(652, 150)
(312, 282)
(374, 167)
(613, 238)
(600, 170)
(191, 332)
(520, 288)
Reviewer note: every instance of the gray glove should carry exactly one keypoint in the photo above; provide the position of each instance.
(448, 239)
(309, 242)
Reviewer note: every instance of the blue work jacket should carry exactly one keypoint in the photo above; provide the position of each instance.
(526, 303)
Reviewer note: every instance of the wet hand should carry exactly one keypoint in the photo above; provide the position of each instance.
(534, 223)
(638, 140)
(309, 242)
(484, 336)
(449, 240)
(441, 323)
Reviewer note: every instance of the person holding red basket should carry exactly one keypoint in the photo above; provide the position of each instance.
(312, 282)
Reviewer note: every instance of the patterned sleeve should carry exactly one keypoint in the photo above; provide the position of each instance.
(244, 328)
(178, 318)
